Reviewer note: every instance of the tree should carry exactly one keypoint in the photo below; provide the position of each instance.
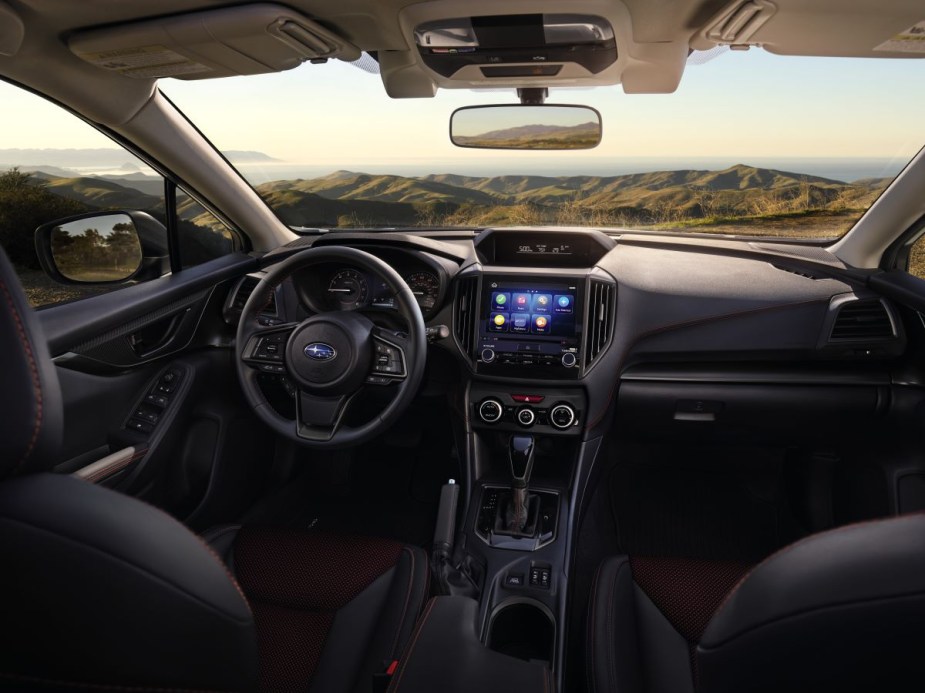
(26, 204)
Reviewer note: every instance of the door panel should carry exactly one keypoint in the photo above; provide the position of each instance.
(139, 371)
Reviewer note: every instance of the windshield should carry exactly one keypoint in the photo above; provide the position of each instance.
(751, 143)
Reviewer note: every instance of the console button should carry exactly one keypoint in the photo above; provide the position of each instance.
(562, 416)
(526, 417)
(515, 580)
(528, 399)
(569, 359)
(490, 410)
(488, 355)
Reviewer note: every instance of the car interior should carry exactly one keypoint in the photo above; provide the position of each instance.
(442, 457)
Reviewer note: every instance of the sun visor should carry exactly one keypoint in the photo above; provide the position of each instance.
(244, 40)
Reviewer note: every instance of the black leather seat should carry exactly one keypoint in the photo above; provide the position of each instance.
(842, 610)
(99, 591)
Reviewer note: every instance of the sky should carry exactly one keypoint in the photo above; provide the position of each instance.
(741, 107)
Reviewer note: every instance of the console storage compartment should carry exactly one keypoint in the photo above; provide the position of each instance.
(524, 629)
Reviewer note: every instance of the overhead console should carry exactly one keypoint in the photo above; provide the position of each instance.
(522, 45)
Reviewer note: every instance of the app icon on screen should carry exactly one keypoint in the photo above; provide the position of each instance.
(500, 299)
(541, 324)
(563, 303)
(498, 322)
(520, 323)
(520, 302)
(542, 303)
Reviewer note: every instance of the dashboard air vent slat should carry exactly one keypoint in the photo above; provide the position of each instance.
(860, 321)
(465, 313)
(600, 319)
(244, 291)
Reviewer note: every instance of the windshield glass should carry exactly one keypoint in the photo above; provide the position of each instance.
(750, 143)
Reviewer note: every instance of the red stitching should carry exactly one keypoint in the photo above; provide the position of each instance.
(34, 371)
(394, 687)
(404, 611)
(794, 545)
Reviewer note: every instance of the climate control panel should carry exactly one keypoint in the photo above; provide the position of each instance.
(544, 411)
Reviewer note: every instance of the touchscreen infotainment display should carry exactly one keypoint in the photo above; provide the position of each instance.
(524, 321)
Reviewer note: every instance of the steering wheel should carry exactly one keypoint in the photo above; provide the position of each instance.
(331, 357)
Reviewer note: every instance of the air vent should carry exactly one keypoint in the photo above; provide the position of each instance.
(799, 272)
(244, 291)
(600, 319)
(862, 321)
(465, 312)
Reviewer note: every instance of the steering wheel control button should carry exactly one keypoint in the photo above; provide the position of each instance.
(270, 347)
(569, 359)
(526, 416)
(562, 416)
(488, 355)
(490, 410)
(387, 359)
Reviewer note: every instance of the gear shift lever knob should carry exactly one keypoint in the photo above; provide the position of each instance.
(521, 452)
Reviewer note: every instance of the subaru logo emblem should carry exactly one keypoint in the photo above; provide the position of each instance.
(319, 351)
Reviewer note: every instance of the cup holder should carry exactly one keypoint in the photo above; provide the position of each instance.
(523, 629)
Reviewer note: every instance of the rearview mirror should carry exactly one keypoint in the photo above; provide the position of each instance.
(103, 248)
(526, 127)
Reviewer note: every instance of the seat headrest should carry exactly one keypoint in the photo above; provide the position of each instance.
(842, 610)
(30, 404)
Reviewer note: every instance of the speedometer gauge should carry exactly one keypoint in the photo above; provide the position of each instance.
(426, 288)
(348, 290)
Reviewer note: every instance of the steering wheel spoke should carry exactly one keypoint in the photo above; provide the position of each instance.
(319, 418)
(265, 348)
(390, 361)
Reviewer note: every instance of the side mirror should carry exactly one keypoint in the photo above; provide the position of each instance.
(103, 248)
(526, 126)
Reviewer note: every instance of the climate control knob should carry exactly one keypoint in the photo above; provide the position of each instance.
(562, 416)
(488, 355)
(525, 416)
(490, 410)
(569, 359)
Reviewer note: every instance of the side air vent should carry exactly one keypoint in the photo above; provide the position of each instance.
(862, 321)
(601, 300)
(465, 312)
(243, 292)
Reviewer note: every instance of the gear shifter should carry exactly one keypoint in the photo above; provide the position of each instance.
(521, 452)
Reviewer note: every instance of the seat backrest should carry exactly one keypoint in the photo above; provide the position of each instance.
(842, 610)
(98, 591)
(30, 405)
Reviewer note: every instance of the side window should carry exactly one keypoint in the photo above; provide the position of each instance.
(203, 236)
(55, 166)
(917, 258)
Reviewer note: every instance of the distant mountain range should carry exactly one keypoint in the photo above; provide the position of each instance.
(350, 198)
(102, 158)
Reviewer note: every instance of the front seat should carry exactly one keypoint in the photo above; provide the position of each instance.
(842, 610)
(99, 591)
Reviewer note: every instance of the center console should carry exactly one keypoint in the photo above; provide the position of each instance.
(533, 319)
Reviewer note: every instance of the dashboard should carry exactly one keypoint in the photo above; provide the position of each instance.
(548, 329)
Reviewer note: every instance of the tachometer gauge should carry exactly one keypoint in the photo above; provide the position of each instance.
(348, 290)
(426, 288)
